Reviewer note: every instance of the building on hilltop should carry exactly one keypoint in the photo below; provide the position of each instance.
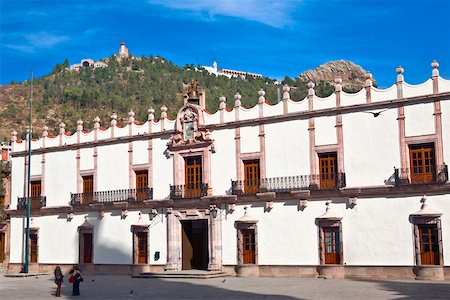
(229, 73)
(348, 186)
(87, 63)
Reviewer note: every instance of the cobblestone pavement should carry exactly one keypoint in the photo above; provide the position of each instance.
(125, 287)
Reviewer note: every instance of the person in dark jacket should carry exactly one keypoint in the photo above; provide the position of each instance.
(59, 277)
(77, 278)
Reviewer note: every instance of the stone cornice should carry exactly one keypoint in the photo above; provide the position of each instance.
(251, 122)
(205, 202)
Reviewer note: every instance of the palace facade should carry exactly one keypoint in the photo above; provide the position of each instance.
(349, 186)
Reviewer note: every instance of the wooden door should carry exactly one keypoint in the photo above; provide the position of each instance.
(429, 244)
(35, 194)
(87, 248)
(328, 170)
(331, 244)
(193, 176)
(422, 163)
(88, 189)
(141, 185)
(33, 247)
(142, 243)
(251, 175)
(248, 246)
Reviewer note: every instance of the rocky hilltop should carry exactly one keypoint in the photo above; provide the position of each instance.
(353, 75)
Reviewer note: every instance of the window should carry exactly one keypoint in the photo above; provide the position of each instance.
(328, 170)
(429, 244)
(193, 176)
(88, 189)
(331, 245)
(86, 242)
(422, 163)
(33, 246)
(35, 199)
(141, 185)
(251, 175)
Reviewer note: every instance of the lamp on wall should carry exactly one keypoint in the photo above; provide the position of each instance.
(153, 213)
(213, 211)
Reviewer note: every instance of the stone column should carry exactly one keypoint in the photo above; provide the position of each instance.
(286, 98)
(78, 157)
(215, 236)
(95, 176)
(401, 124)
(312, 137)
(222, 107)
(237, 137)
(437, 116)
(173, 242)
(131, 174)
(368, 87)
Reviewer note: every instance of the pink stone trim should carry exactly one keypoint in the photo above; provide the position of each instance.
(131, 173)
(43, 169)
(150, 157)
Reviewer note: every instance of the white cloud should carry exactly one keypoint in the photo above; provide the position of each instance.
(273, 13)
(37, 40)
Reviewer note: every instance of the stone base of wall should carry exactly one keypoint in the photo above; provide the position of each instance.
(100, 269)
(429, 272)
(331, 271)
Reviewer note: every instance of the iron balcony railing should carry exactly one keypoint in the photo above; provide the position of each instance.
(191, 190)
(421, 175)
(129, 195)
(36, 202)
(288, 183)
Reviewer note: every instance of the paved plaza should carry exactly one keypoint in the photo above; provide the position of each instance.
(125, 287)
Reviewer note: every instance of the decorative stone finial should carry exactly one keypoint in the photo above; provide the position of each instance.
(151, 114)
(45, 131)
(338, 86)
(163, 112)
(14, 136)
(131, 116)
(113, 119)
(311, 86)
(237, 99)
(424, 201)
(222, 104)
(96, 122)
(62, 127)
(400, 71)
(435, 66)
(328, 203)
(79, 125)
(261, 98)
(368, 82)
(245, 210)
(286, 90)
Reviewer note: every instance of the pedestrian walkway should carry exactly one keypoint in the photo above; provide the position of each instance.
(125, 287)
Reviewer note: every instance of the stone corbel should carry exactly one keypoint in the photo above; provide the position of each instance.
(352, 201)
(124, 213)
(269, 205)
(69, 216)
(231, 207)
(303, 204)
(101, 214)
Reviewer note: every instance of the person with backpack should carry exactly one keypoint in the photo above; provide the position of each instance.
(59, 277)
(76, 278)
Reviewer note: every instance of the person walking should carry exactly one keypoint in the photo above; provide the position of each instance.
(76, 278)
(59, 277)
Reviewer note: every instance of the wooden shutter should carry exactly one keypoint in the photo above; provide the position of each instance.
(87, 248)
(193, 176)
(88, 189)
(422, 163)
(35, 194)
(248, 246)
(328, 170)
(429, 244)
(33, 247)
(251, 175)
(142, 245)
(141, 185)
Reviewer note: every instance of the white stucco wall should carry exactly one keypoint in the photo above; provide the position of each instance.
(296, 106)
(60, 177)
(36, 164)
(86, 158)
(112, 167)
(17, 185)
(287, 151)
(212, 118)
(353, 99)
(425, 88)
(383, 94)
(444, 85)
(223, 162)
(445, 108)
(162, 169)
(419, 119)
(140, 152)
(250, 139)
(273, 110)
(323, 103)
(17, 238)
(325, 130)
(371, 149)
(249, 112)
(121, 131)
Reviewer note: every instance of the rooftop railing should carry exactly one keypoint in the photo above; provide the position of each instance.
(185, 191)
(36, 202)
(288, 183)
(421, 175)
(127, 195)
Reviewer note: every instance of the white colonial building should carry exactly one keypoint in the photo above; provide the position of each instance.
(352, 185)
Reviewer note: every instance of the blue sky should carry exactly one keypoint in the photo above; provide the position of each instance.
(274, 38)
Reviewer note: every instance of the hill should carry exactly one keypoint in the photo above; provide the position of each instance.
(133, 83)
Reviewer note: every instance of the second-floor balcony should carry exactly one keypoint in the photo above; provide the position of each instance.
(104, 197)
(36, 202)
(190, 190)
(421, 175)
(288, 183)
